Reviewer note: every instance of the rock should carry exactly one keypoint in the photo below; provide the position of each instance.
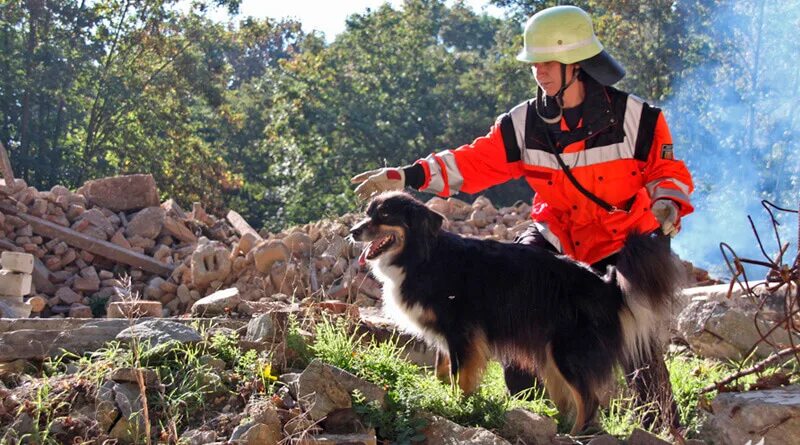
(768, 417)
(320, 392)
(218, 303)
(184, 294)
(441, 431)
(158, 332)
(80, 311)
(524, 426)
(86, 284)
(726, 330)
(642, 437)
(38, 338)
(262, 329)
(289, 278)
(21, 426)
(153, 290)
(247, 241)
(178, 230)
(134, 309)
(367, 438)
(299, 244)
(267, 252)
(129, 375)
(253, 433)
(95, 218)
(209, 262)
(147, 223)
(605, 439)
(198, 437)
(122, 193)
(16, 367)
(68, 296)
(344, 421)
(119, 239)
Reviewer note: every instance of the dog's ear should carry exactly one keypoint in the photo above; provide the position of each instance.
(430, 222)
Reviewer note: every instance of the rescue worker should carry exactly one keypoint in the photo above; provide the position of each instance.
(599, 160)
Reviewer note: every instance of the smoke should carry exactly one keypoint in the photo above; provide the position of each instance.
(734, 123)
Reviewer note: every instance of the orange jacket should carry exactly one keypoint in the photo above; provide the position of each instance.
(621, 151)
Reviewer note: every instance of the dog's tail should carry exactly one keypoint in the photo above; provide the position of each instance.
(650, 277)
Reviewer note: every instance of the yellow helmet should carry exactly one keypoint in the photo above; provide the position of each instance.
(565, 34)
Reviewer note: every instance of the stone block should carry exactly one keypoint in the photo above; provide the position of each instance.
(13, 309)
(14, 284)
(134, 309)
(17, 262)
(122, 193)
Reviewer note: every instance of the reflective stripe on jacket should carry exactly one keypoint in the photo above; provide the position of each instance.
(621, 151)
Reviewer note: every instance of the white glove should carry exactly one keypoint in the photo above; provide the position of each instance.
(666, 212)
(377, 181)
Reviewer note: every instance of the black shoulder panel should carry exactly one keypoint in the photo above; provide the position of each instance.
(509, 139)
(647, 128)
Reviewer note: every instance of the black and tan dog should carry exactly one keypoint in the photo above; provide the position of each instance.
(477, 299)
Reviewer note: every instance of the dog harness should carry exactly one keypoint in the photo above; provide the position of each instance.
(621, 152)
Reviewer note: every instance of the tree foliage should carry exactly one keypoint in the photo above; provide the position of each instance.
(257, 115)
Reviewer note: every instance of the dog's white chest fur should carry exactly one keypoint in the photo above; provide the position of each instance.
(408, 317)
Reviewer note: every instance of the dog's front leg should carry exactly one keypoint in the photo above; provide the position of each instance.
(468, 357)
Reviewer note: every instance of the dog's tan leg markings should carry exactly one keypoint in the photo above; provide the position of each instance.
(474, 363)
(580, 411)
(566, 395)
(558, 389)
(442, 367)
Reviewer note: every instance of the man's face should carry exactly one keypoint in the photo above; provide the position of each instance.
(548, 75)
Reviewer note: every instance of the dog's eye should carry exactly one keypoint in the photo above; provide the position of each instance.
(383, 215)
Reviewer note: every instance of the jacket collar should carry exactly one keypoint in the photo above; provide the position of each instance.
(597, 114)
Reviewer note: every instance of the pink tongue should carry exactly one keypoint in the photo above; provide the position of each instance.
(362, 259)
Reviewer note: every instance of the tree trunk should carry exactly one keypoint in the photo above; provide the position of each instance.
(34, 10)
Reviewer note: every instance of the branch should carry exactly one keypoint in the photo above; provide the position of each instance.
(751, 370)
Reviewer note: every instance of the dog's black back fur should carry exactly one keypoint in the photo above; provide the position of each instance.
(516, 292)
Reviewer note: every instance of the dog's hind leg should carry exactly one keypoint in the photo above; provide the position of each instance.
(571, 380)
(468, 357)
(442, 366)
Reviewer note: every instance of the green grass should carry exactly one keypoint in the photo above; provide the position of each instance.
(412, 390)
(193, 386)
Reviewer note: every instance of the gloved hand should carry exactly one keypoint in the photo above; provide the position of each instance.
(377, 181)
(666, 212)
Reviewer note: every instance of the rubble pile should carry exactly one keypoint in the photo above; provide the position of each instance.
(112, 241)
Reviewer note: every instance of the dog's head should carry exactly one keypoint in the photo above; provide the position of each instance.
(397, 224)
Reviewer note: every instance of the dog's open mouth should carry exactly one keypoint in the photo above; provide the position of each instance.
(376, 247)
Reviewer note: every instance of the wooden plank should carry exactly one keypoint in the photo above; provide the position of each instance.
(9, 246)
(5, 166)
(93, 245)
(41, 278)
(240, 225)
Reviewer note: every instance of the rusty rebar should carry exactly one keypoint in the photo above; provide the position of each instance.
(778, 275)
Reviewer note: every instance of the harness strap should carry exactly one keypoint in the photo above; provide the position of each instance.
(594, 198)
